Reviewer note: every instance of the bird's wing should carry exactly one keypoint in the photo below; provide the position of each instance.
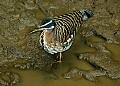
(63, 33)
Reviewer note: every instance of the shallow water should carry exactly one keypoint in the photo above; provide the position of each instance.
(21, 54)
(36, 77)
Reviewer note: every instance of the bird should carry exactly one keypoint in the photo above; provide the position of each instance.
(58, 33)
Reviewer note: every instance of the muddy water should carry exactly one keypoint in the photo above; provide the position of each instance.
(36, 77)
(20, 53)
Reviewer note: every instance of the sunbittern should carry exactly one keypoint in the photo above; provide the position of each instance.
(59, 32)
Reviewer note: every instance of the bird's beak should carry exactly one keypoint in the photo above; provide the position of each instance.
(39, 28)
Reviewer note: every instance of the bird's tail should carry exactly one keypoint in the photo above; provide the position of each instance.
(87, 13)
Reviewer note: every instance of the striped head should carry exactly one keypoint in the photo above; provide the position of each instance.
(46, 24)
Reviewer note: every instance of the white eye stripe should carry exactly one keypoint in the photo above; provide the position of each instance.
(46, 23)
(47, 28)
(52, 27)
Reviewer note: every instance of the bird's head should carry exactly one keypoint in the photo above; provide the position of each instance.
(46, 24)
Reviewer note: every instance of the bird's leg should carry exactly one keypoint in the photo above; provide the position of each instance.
(60, 57)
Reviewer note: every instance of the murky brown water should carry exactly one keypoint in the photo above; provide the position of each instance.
(20, 53)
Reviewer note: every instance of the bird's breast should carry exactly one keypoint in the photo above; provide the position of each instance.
(51, 45)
